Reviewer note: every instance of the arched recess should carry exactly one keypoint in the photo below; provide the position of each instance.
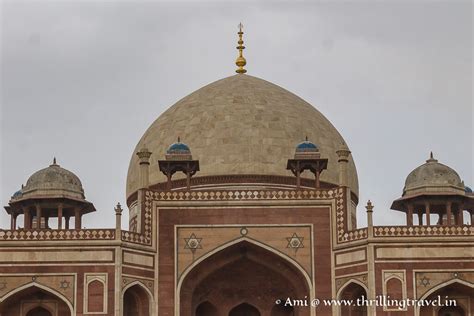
(137, 300)
(39, 311)
(12, 302)
(282, 310)
(460, 291)
(244, 309)
(96, 296)
(206, 309)
(394, 288)
(243, 272)
(352, 290)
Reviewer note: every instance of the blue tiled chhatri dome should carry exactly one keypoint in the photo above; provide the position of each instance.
(307, 150)
(178, 151)
(306, 146)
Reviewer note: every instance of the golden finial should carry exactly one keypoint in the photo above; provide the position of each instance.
(240, 62)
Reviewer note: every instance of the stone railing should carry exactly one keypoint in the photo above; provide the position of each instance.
(425, 231)
(135, 238)
(55, 234)
(353, 235)
(242, 195)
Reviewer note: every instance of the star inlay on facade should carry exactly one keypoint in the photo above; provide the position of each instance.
(193, 243)
(64, 284)
(295, 242)
(425, 281)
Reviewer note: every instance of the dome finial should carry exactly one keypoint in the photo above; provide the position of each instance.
(240, 62)
(306, 138)
(431, 158)
(54, 162)
(179, 139)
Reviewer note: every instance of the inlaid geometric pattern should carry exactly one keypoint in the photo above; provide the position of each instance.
(282, 239)
(61, 283)
(340, 282)
(295, 242)
(192, 243)
(426, 280)
(426, 231)
(83, 234)
(148, 283)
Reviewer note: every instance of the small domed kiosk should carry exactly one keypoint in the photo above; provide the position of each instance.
(52, 192)
(434, 188)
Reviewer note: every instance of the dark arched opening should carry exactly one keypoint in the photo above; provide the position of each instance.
(39, 311)
(244, 309)
(451, 311)
(206, 309)
(457, 298)
(35, 301)
(136, 301)
(282, 310)
(243, 272)
(353, 292)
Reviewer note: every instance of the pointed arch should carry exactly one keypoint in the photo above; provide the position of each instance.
(348, 282)
(234, 242)
(440, 287)
(151, 300)
(444, 284)
(206, 308)
(244, 309)
(252, 261)
(39, 306)
(352, 310)
(44, 288)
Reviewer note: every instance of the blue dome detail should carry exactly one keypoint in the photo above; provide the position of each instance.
(467, 189)
(17, 194)
(306, 146)
(178, 148)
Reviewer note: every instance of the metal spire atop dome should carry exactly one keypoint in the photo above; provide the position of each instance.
(54, 164)
(240, 61)
(432, 159)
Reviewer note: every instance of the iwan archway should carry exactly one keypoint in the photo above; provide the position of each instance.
(241, 277)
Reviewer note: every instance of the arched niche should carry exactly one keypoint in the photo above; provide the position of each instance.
(206, 309)
(35, 298)
(460, 291)
(354, 292)
(244, 309)
(243, 272)
(96, 296)
(39, 311)
(137, 300)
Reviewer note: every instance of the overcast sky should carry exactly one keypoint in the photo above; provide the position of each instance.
(83, 80)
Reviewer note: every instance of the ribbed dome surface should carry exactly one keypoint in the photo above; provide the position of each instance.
(241, 125)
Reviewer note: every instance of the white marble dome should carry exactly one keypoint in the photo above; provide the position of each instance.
(241, 125)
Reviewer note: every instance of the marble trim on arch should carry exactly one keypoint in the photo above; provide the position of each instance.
(178, 282)
(11, 282)
(274, 237)
(425, 280)
(53, 291)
